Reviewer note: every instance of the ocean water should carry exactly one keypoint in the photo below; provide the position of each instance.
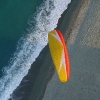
(13, 23)
(24, 27)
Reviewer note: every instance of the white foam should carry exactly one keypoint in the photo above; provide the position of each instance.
(29, 47)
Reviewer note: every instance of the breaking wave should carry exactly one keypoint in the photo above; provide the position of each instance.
(29, 46)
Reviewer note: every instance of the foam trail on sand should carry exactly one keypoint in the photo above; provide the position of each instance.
(44, 20)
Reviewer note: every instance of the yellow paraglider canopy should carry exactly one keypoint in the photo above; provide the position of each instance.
(59, 54)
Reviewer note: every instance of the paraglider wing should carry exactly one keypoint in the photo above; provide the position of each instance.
(59, 54)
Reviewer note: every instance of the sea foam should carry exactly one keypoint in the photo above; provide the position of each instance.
(44, 20)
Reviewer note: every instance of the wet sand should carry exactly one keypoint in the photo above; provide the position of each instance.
(80, 27)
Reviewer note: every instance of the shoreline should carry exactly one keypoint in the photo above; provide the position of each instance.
(65, 24)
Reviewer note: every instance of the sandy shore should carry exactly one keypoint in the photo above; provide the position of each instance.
(80, 27)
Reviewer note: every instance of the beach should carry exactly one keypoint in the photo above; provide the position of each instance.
(80, 27)
(84, 58)
(81, 85)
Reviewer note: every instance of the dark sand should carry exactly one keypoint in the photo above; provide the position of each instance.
(80, 26)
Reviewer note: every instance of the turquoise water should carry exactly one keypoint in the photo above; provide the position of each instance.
(14, 15)
(23, 35)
